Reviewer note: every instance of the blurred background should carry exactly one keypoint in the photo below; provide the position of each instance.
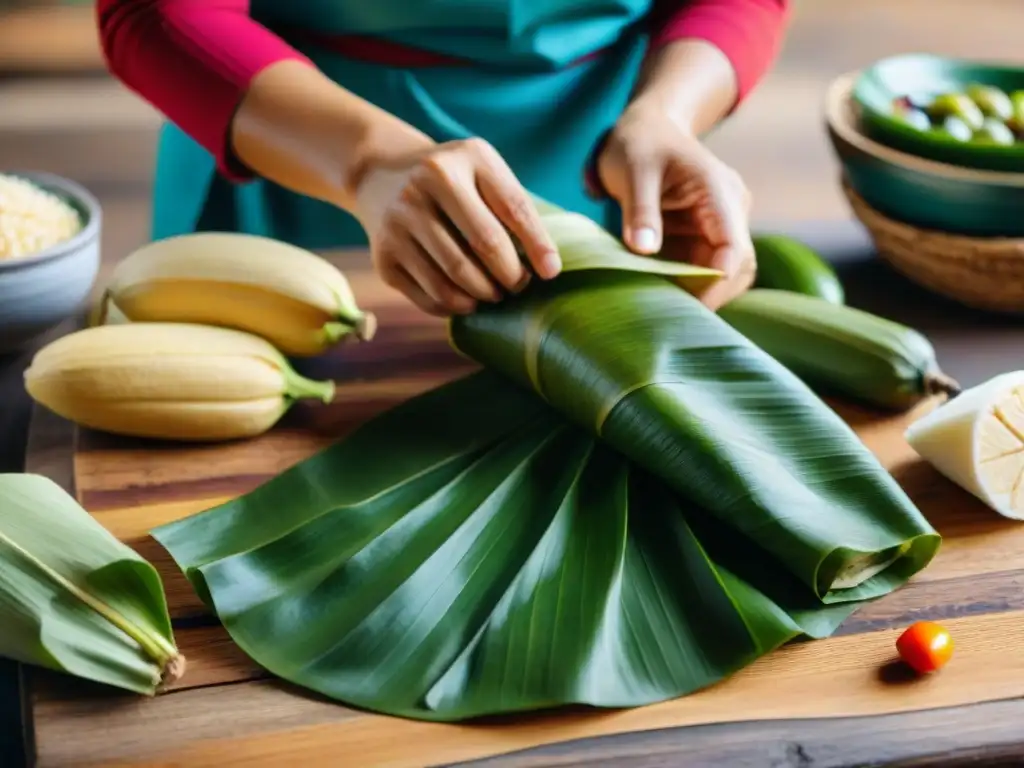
(60, 112)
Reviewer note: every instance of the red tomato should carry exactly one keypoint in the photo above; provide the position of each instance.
(925, 646)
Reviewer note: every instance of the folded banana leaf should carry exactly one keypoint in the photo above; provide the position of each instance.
(629, 503)
(75, 599)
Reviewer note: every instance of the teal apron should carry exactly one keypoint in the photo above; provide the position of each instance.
(524, 91)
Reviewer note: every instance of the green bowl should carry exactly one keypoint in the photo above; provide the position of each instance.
(925, 76)
(923, 193)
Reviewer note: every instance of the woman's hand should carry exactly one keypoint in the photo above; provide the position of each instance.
(679, 199)
(440, 219)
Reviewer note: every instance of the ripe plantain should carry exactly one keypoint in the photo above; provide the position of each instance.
(173, 381)
(290, 296)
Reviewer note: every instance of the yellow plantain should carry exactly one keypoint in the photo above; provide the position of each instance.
(174, 381)
(290, 296)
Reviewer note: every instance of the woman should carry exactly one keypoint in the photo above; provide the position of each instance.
(418, 126)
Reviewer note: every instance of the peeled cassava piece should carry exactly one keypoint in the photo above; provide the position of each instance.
(629, 503)
(977, 441)
(174, 381)
(290, 296)
(75, 599)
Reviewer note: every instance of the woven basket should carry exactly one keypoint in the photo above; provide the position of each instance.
(984, 273)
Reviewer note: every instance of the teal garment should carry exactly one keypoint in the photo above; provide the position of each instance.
(526, 92)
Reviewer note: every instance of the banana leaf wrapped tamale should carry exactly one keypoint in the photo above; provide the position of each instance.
(627, 504)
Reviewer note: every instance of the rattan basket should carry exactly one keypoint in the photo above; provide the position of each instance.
(984, 273)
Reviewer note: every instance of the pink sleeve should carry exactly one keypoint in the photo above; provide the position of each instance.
(191, 59)
(748, 32)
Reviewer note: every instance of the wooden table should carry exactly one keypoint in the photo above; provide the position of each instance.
(49, 38)
(833, 702)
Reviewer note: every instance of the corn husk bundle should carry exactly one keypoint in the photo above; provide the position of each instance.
(75, 599)
(627, 504)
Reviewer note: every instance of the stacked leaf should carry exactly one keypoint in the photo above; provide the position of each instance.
(629, 503)
(75, 599)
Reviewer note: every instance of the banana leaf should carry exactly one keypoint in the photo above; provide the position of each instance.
(75, 599)
(628, 503)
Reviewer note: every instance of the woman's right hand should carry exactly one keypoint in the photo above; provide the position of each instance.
(439, 219)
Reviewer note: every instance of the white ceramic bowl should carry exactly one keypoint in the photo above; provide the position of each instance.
(41, 291)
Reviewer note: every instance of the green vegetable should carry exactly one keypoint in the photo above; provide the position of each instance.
(956, 105)
(629, 503)
(994, 132)
(840, 349)
(789, 265)
(991, 101)
(75, 599)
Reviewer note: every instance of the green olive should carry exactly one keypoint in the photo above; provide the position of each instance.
(956, 105)
(991, 101)
(994, 132)
(1016, 121)
(957, 129)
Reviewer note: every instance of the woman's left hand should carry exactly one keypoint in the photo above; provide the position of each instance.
(678, 199)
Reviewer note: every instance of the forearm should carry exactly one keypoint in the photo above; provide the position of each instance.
(691, 81)
(298, 128)
(708, 55)
(191, 59)
(256, 104)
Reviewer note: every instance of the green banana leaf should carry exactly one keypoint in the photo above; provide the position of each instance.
(75, 599)
(629, 503)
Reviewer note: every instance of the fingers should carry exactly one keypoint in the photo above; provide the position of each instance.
(678, 199)
(436, 284)
(436, 240)
(735, 258)
(488, 206)
(455, 227)
(401, 281)
(502, 192)
(732, 285)
(488, 242)
(738, 267)
(722, 212)
(641, 206)
(679, 223)
(405, 266)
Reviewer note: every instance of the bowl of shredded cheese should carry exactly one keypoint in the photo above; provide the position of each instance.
(49, 254)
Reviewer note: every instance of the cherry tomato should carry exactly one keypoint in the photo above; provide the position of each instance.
(925, 646)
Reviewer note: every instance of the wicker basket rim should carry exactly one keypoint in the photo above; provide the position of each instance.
(985, 274)
(1005, 247)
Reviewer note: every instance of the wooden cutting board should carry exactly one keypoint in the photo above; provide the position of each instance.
(227, 712)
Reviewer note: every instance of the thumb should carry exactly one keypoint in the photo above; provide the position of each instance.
(641, 208)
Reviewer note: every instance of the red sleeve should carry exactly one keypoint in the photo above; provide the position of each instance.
(748, 32)
(191, 59)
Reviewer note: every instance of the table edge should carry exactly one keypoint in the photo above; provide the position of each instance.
(921, 739)
(50, 451)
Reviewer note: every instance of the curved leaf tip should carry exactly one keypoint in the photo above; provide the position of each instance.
(93, 608)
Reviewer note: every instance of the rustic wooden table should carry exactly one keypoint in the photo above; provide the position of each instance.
(829, 703)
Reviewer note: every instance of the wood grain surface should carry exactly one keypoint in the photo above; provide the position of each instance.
(103, 137)
(49, 37)
(226, 711)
